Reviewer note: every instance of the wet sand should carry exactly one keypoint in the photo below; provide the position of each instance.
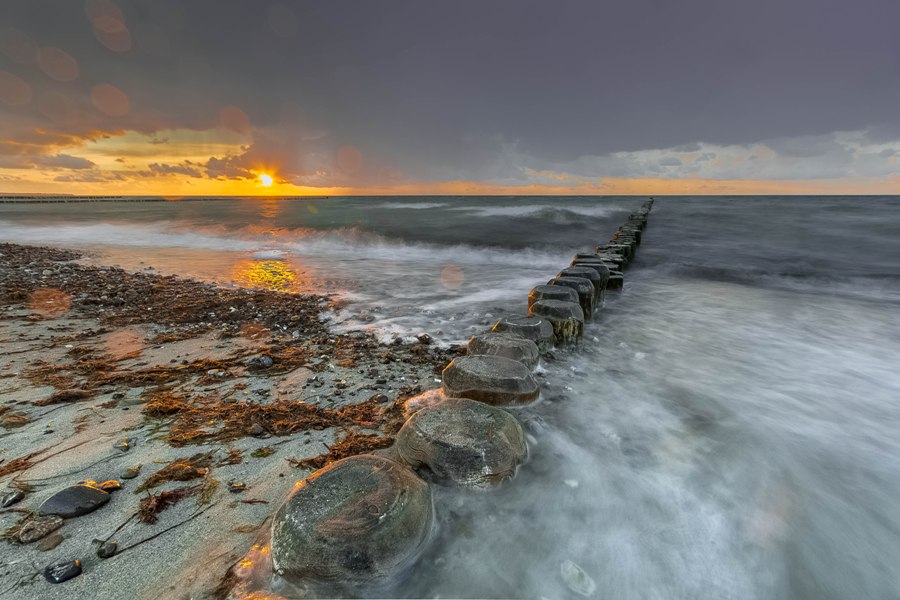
(224, 396)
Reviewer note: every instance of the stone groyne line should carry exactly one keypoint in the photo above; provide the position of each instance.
(363, 519)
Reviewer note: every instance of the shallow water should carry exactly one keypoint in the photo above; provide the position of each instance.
(728, 428)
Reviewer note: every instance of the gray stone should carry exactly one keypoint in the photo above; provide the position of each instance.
(551, 292)
(538, 330)
(50, 542)
(491, 379)
(74, 501)
(464, 442)
(585, 290)
(508, 345)
(37, 527)
(352, 523)
(567, 319)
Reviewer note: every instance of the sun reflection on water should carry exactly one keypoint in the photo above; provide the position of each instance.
(276, 275)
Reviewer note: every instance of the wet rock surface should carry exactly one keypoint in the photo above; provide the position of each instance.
(74, 501)
(585, 290)
(490, 379)
(552, 292)
(538, 330)
(353, 523)
(567, 319)
(508, 345)
(63, 571)
(12, 498)
(463, 442)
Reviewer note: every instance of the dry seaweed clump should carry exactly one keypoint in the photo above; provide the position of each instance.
(218, 420)
(184, 469)
(11, 418)
(350, 445)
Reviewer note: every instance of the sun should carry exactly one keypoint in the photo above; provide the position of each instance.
(265, 180)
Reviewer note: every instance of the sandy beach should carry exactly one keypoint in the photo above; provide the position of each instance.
(205, 403)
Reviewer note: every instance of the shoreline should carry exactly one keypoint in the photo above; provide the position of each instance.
(245, 386)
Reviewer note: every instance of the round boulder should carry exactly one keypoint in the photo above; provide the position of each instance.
(464, 442)
(509, 345)
(538, 330)
(491, 379)
(585, 290)
(567, 319)
(352, 523)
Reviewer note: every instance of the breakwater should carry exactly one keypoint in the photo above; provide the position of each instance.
(364, 520)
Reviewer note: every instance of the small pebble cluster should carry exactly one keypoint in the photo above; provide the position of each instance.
(361, 520)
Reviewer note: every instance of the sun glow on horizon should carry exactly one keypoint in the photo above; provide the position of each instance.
(265, 180)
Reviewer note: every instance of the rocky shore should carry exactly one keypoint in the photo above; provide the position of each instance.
(149, 425)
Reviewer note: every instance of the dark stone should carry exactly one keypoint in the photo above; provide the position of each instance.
(236, 487)
(260, 362)
(74, 501)
(256, 430)
(130, 473)
(424, 338)
(552, 292)
(38, 527)
(123, 445)
(64, 571)
(356, 522)
(616, 281)
(585, 290)
(538, 330)
(567, 319)
(508, 345)
(463, 442)
(595, 277)
(50, 542)
(107, 549)
(491, 379)
(11, 498)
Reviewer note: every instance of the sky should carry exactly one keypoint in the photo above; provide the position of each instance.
(178, 97)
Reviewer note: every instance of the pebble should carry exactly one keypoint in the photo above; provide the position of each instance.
(260, 362)
(107, 549)
(64, 571)
(38, 527)
(110, 485)
(50, 542)
(130, 473)
(256, 430)
(123, 445)
(236, 487)
(11, 498)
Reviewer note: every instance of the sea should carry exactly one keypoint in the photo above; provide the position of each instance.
(728, 428)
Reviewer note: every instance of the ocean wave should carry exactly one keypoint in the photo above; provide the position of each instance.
(543, 211)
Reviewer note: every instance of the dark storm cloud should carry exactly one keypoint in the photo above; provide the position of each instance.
(465, 89)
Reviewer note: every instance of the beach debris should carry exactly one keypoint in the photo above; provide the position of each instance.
(64, 397)
(508, 345)
(151, 506)
(263, 452)
(123, 445)
(35, 527)
(350, 445)
(262, 361)
(62, 571)
(130, 472)
(424, 338)
(256, 430)
(49, 543)
(14, 497)
(355, 522)
(236, 487)
(491, 379)
(11, 418)
(107, 549)
(183, 469)
(74, 501)
(576, 579)
(536, 329)
(463, 442)
(110, 485)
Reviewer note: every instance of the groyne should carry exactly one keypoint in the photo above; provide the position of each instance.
(372, 514)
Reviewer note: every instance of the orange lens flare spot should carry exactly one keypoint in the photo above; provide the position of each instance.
(452, 277)
(49, 303)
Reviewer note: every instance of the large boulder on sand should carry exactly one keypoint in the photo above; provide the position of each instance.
(585, 290)
(567, 319)
(352, 523)
(508, 345)
(538, 330)
(463, 442)
(491, 379)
